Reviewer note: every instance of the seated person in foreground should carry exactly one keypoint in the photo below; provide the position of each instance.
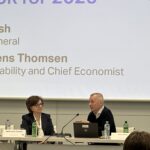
(100, 113)
(43, 121)
(137, 141)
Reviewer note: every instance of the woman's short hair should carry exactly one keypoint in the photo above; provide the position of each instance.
(137, 140)
(32, 101)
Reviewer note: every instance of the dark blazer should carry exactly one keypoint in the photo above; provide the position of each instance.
(47, 125)
(106, 115)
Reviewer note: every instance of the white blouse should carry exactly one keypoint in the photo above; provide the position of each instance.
(39, 126)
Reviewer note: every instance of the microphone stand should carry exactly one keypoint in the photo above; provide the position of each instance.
(62, 134)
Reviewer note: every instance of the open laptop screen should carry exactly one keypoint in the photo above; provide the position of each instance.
(86, 130)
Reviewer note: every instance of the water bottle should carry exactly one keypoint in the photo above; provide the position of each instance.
(7, 124)
(107, 130)
(125, 127)
(34, 129)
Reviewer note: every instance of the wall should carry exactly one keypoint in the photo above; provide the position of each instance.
(136, 113)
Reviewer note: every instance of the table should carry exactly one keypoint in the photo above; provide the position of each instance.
(65, 143)
(73, 147)
(62, 139)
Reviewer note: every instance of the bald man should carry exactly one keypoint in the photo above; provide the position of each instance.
(100, 113)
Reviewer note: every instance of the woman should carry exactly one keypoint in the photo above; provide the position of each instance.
(137, 140)
(43, 121)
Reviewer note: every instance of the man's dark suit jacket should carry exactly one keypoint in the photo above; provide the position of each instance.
(106, 115)
(47, 125)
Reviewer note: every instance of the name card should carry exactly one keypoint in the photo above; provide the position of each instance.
(2, 128)
(14, 133)
(119, 136)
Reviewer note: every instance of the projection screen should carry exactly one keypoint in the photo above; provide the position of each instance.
(70, 48)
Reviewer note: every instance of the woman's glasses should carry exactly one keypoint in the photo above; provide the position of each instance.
(37, 105)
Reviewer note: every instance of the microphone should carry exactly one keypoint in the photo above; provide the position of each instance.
(62, 134)
(62, 130)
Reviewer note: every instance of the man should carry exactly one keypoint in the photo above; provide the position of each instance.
(100, 113)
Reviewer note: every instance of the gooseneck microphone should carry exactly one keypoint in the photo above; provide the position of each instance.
(62, 131)
(62, 134)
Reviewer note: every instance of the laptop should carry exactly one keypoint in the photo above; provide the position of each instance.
(85, 130)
